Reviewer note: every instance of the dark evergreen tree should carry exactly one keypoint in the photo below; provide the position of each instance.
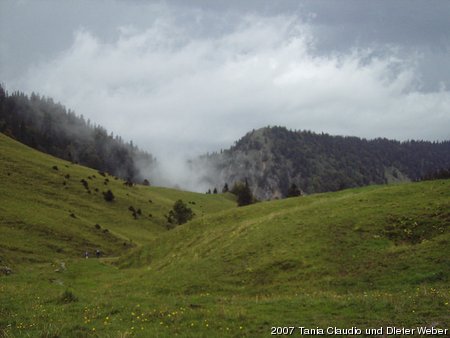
(225, 188)
(243, 193)
(108, 196)
(179, 214)
(215, 191)
(437, 175)
(293, 191)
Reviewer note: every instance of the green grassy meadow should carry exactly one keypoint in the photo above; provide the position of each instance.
(366, 257)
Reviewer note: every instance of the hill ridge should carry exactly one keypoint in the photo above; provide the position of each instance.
(274, 158)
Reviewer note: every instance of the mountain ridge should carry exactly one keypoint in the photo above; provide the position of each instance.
(270, 159)
(273, 158)
(47, 126)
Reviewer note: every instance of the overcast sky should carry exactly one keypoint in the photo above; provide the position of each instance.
(194, 76)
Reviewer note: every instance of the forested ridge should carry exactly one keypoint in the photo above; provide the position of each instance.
(47, 126)
(274, 158)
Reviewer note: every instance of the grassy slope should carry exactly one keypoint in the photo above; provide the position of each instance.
(367, 257)
(38, 201)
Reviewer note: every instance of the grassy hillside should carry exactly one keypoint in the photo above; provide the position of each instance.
(369, 257)
(47, 212)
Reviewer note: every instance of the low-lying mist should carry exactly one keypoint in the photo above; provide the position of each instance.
(182, 171)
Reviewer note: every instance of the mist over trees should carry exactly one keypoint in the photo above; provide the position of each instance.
(279, 162)
(275, 161)
(47, 126)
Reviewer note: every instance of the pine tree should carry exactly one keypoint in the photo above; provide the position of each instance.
(179, 214)
(293, 191)
(243, 193)
(225, 188)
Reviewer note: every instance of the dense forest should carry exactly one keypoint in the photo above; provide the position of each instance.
(41, 123)
(273, 159)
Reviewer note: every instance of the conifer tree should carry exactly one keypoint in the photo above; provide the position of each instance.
(225, 188)
(243, 193)
(293, 191)
(179, 214)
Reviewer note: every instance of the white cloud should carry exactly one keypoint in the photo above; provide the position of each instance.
(176, 92)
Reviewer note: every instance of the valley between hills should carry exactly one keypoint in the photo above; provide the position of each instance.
(367, 257)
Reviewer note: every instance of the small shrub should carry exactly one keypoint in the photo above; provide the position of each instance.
(4, 270)
(108, 196)
(146, 182)
(67, 297)
(293, 191)
(97, 226)
(85, 184)
(225, 188)
(179, 214)
(55, 167)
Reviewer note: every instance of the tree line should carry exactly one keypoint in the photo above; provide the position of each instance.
(279, 161)
(49, 127)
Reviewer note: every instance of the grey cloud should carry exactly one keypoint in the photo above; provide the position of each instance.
(162, 82)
